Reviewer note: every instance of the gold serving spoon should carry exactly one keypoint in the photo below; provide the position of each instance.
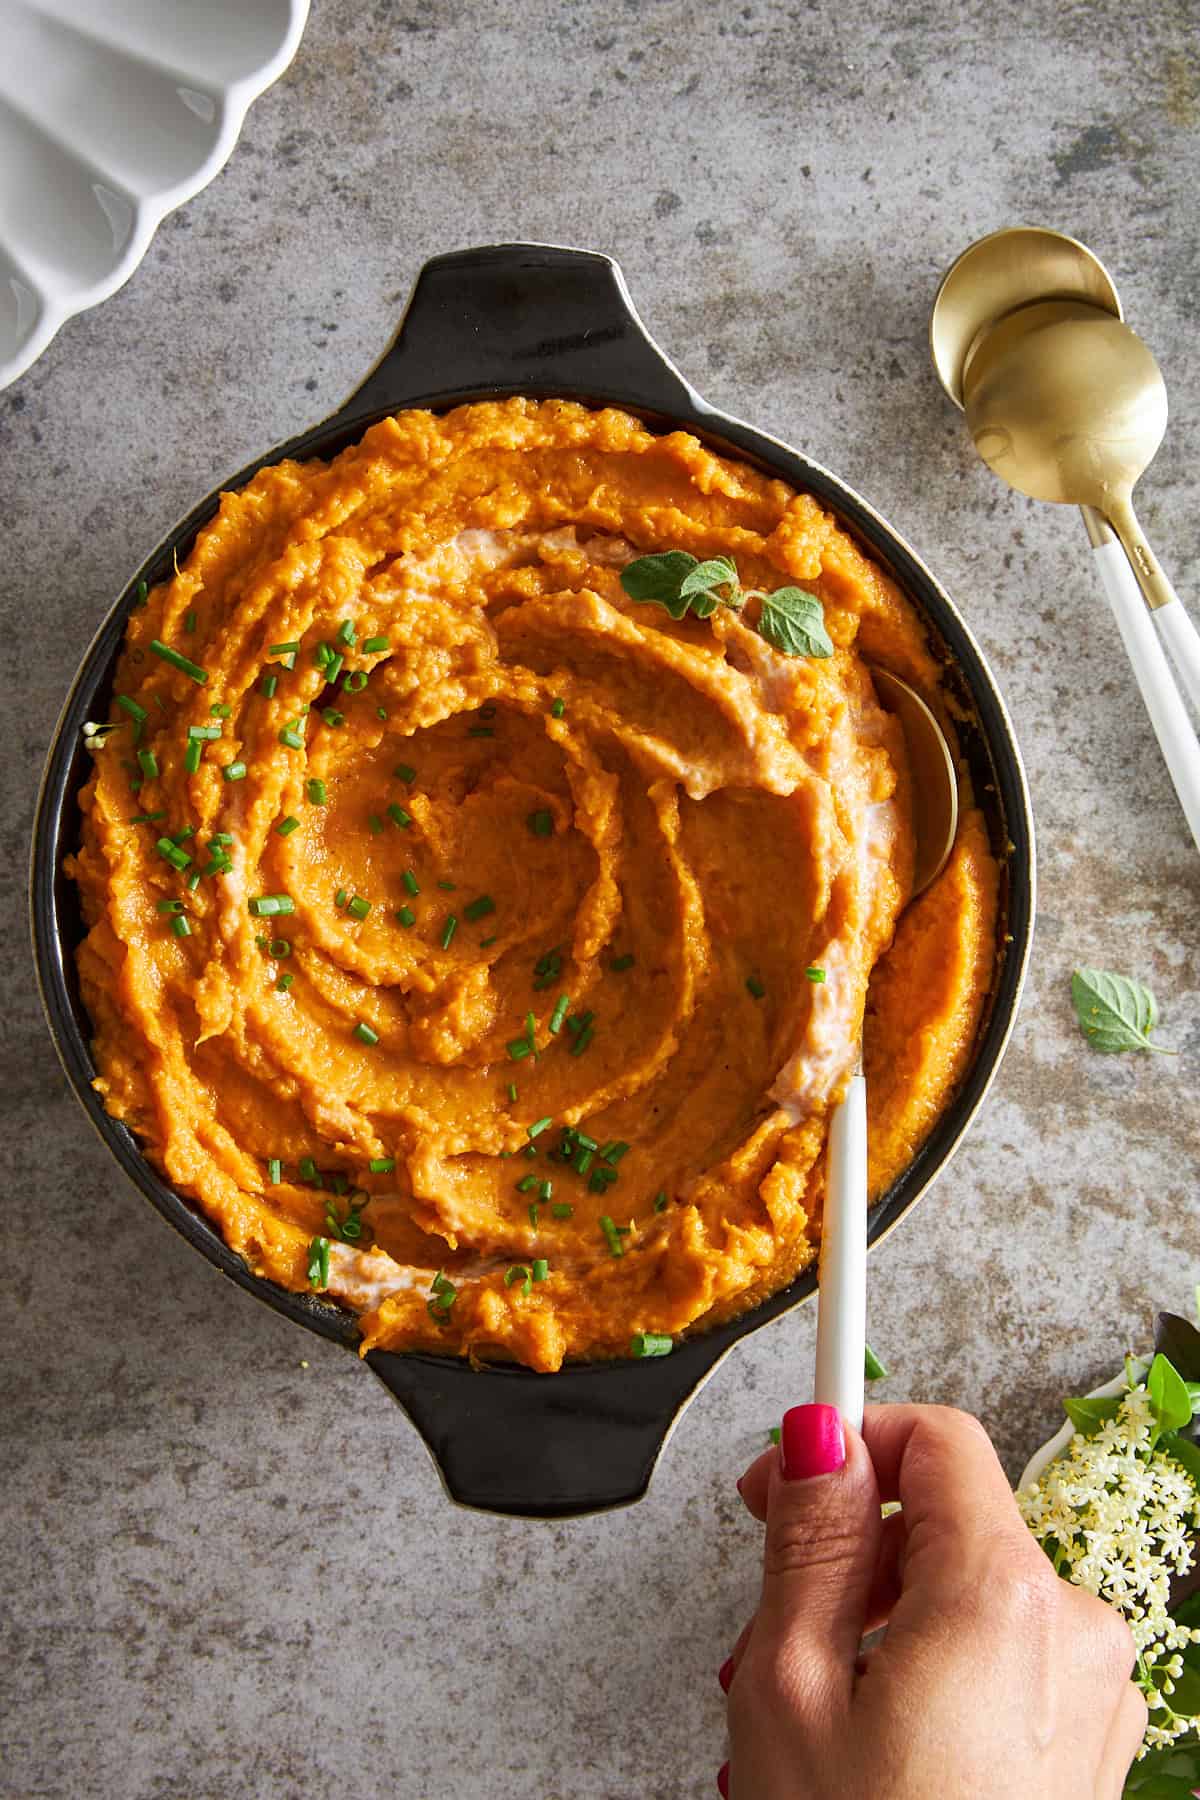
(839, 1379)
(1066, 403)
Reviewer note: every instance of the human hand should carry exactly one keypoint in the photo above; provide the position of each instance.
(995, 1678)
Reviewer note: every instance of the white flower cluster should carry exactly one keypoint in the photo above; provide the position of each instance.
(1119, 1517)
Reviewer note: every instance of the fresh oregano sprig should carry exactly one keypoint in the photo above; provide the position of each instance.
(791, 619)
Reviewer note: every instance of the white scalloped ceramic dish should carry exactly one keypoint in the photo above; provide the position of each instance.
(112, 113)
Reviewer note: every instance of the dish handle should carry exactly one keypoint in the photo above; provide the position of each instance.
(547, 1446)
(534, 319)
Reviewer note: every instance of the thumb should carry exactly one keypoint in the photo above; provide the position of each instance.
(822, 1547)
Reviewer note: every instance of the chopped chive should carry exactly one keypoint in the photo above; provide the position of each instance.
(562, 1210)
(650, 1343)
(583, 1161)
(374, 824)
(358, 906)
(381, 713)
(382, 1165)
(448, 887)
(354, 682)
(520, 1273)
(189, 621)
(558, 708)
(406, 916)
(332, 717)
(546, 1190)
(220, 711)
(372, 645)
(206, 733)
(398, 816)
(405, 772)
(815, 974)
(754, 986)
(339, 899)
(288, 649)
(484, 942)
(136, 712)
(410, 882)
(530, 1150)
(318, 1262)
(193, 881)
(192, 755)
(286, 826)
(526, 1184)
(364, 1034)
(347, 634)
(198, 675)
(279, 948)
(274, 1170)
(612, 1236)
(540, 1269)
(267, 906)
(512, 1091)
(181, 837)
(612, 1153)
(448, 931)
(180, 927)
(315, 791)
(178, 859)
(141, 594)
(169, 906)
(292, 737)
(308, 1171)
(874, 1369)
(288, 662)
(333, 667)
(283, 984)
(660, 1202)
(538, 1126)
(219, 837)
(480, 908)
(267, 686)
(582, 1040)
(148, 764)
(234, 771)
(518, 1048)
(541, 822)
(621, 963)
(560, 1012)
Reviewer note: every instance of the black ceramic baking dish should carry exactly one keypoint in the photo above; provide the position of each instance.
(542, 321)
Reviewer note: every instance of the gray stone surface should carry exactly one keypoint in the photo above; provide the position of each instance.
(229, 1569)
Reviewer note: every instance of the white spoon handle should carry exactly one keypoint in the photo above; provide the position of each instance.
(1183, 641)
(1168, 714)
(842, 1299)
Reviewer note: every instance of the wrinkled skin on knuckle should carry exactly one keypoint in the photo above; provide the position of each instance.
(821, 1546)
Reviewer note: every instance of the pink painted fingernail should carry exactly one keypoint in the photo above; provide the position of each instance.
(811, 1442)
(725, 1674)
(723, 1781)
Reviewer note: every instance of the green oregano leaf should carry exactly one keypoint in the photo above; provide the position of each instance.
(660, 579)
(794, 621)
(719, 571)
(1115, 1013)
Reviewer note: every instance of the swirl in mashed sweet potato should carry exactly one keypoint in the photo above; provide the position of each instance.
(684, 853)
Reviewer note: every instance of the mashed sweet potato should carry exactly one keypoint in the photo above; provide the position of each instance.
(493, 947)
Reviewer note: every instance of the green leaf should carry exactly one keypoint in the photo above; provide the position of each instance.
(1114, 1012)
(1178, 1338)
(660, 579)
(875, 1370)
(1168, 1395)
(704, 605)
(1184, 1452)
(794, 622)
(1087, 1416)
(719, 571)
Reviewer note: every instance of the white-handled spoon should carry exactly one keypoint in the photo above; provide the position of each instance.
(842, 1296)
